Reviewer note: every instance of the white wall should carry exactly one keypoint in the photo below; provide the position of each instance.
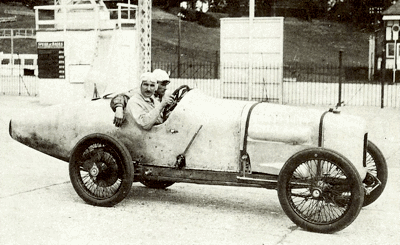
(107, 58)
(247, 46)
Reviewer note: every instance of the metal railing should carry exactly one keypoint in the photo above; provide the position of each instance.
(125, 14)
(301, 84)
(17, 33)
(18, 80)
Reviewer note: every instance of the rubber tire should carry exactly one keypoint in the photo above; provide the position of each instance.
(157, 184)
(357, 196)
(124, 162)
(381, 172)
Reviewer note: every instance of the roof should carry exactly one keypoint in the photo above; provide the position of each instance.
(393, 10)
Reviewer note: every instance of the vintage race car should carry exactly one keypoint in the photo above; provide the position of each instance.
(321, 162)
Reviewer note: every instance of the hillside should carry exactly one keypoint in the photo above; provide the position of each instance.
(316, 41)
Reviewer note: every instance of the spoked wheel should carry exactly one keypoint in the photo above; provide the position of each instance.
(320, 190)
(156, 184)
(377, 174)
(100, 170)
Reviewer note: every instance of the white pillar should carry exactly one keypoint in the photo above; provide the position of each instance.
(250, 59)
(251, 10)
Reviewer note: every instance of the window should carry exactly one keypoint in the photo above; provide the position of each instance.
(29, 62)
(390, 50)
(29, 72)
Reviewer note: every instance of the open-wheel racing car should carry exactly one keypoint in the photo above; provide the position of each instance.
(321, 162)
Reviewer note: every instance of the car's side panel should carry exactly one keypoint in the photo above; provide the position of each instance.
(216, 146)
(345, 134)
(276, 132)
(55, 130)
(269, 157)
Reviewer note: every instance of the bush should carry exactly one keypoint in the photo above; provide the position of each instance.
(200, 17)
(207, 20)
(189, 15)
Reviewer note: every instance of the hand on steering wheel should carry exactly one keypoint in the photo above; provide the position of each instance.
(178, 94)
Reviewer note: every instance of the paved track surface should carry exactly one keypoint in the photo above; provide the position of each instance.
(39, 206)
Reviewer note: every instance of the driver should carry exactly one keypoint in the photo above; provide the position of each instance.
(144, 108)
(162, 81)
(119, 102)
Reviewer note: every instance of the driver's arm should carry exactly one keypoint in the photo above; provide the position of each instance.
(118, 104)
(120, 100)
(167, 109)
(144, 116)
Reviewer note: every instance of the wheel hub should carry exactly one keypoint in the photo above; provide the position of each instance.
(316, 192)
(94, 170)
(369, 179)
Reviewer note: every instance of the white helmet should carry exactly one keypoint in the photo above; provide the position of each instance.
(148, 76)
(161, 75)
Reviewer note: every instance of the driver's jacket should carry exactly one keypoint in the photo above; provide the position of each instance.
(145, 111)
(121, 100)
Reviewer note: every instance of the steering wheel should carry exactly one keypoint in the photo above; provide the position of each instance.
(178, 94)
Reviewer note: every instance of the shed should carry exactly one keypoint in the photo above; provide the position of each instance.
(391, 18)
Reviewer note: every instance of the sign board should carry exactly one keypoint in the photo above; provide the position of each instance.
(260, 40)
(51, 60)
(252, 57)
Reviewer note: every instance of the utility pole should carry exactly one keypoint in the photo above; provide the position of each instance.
(179, 43)
(340, 78)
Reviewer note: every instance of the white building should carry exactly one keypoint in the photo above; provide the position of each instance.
(82, 45)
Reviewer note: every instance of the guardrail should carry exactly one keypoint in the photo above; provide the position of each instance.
(19, 12)
(128, 11)
(17, 33)
(8, 19)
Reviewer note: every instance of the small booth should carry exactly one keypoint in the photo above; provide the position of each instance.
(391, 18)
(85, 49)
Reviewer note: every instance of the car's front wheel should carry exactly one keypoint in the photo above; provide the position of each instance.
(100, 170)
(320, 190)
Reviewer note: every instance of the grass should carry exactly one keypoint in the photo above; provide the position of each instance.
(305, 42)
(320, 42)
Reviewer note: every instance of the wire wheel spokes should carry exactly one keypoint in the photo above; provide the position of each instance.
(100, 171)
(318, 191)
(371, 165)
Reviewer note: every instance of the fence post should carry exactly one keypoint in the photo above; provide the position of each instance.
(179, 46)
(340, 78)
(383, 77)
(216, 65)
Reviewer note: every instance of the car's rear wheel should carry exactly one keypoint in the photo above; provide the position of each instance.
(377, 171)
(100, 170)
(320, 190)
(156, 184)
